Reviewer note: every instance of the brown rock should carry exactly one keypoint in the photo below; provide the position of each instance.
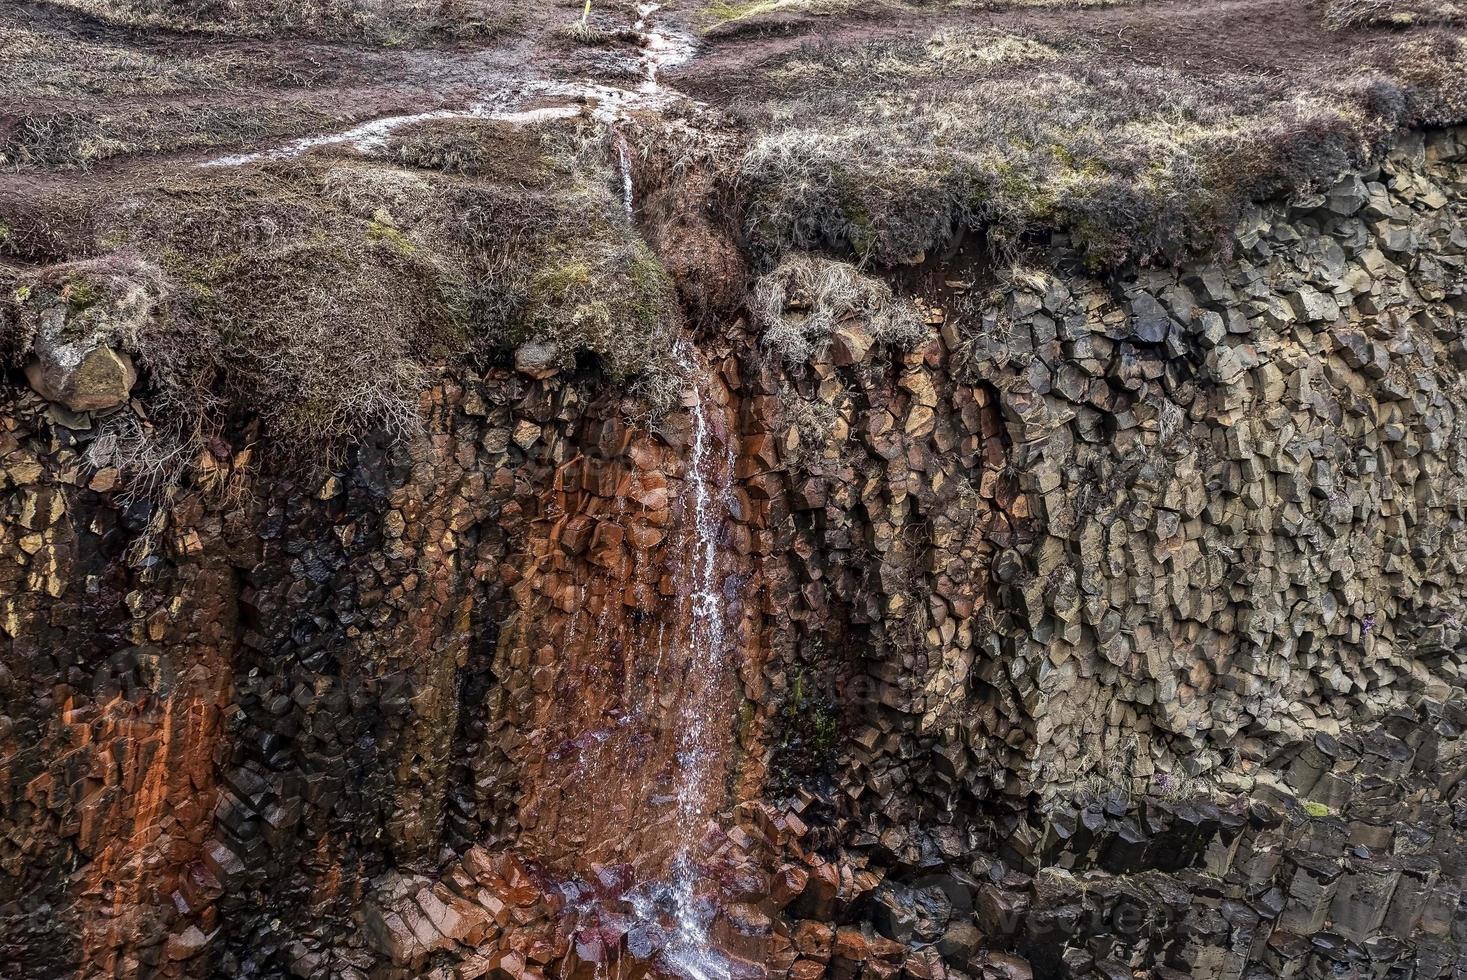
(102, 378)
(187, 944)
(807, 970)
(536, 360)
(787, 885)
(850, 342)
(813, 939)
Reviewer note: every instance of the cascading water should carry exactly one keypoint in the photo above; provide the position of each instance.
(624, 166)
(704, 667)
(673, 672)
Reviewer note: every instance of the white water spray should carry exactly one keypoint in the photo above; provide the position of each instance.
(690, 951)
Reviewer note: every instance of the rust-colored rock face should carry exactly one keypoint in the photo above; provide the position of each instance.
(1090, 628)
(542, 628)
(636, 602)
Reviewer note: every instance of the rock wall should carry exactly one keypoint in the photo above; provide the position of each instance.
(1111, 629)
(1214, 726)
(1250, 475)
(228, 711)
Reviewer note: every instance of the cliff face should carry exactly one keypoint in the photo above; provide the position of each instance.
(1099, 625)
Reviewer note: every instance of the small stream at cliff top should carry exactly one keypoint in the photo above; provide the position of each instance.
(609, 105)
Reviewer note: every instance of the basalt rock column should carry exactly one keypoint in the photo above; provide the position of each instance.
(614, 728)
(705, 701)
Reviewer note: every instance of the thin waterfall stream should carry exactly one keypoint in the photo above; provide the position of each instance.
(660, 752)
(697, 673)
(710, 475)
(624, 169)
(687, 658)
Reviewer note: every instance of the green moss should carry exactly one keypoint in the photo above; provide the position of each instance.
(809, 735)
(605, 294)
(377, 231)
(80, 296)
(650, 301)
(561, 283)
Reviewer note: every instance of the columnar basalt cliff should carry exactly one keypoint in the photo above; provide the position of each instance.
(537, 528)
(1103, 625)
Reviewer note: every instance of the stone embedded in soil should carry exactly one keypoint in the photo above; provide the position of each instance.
(99, 379)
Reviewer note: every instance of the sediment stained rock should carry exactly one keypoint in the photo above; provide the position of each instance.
(598, 656)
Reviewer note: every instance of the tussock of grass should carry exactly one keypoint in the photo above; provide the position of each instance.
(594, 35)
(321, 295)
(1394, 13)
(800, 302)
(888, 149)
(267, 301)
(556, 262)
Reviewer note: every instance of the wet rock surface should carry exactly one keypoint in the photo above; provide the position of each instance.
(1112, 629)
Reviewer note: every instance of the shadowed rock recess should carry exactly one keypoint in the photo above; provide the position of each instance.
(698, 492)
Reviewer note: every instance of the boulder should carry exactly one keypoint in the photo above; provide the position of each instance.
(536, 360)
(96, 380)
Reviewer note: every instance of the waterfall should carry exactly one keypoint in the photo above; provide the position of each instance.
(707, 632)
(706, 660)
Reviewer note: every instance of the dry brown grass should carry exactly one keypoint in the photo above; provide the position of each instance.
(798, 303)
(500, 151)
(385, 22)
(888, 149)
(80, 139)
(72, 103)
(1394, 13)
(724, 13)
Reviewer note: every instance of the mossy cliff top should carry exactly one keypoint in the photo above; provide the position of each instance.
(1140, 129)
(318, 285)
(321, 293)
